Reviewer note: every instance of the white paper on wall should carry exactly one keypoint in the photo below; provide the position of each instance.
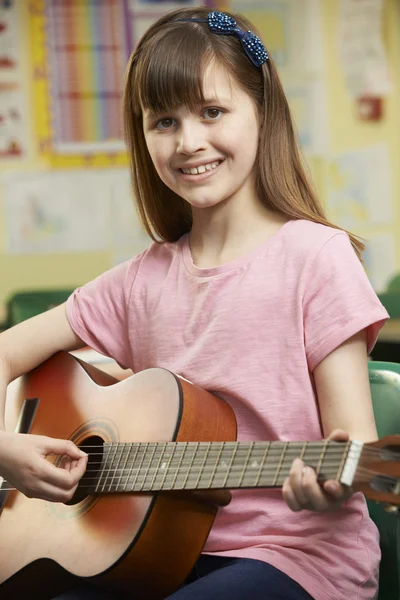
(361, 50)
(58, 211)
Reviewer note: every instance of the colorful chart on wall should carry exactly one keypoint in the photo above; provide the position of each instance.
(80, 50)
(13, 122)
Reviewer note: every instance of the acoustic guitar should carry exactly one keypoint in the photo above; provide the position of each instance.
(162, 459)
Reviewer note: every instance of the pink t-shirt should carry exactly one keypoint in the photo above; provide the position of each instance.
(253, 330)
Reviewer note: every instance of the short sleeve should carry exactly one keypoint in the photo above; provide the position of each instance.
(97, 312)
(339, 301)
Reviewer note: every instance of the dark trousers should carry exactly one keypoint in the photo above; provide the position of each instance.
(218, 578)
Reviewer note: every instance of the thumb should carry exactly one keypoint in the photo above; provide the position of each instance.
(62, 448)
(338, 435)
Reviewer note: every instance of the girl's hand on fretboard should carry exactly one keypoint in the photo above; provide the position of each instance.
(301, 490)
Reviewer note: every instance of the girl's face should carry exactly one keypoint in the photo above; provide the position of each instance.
(207, 156)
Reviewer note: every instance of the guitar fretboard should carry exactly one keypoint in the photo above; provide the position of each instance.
(157, 466)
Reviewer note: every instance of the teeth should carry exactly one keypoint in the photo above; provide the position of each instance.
(201, 169)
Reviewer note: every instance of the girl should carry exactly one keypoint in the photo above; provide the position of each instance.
(248, 291)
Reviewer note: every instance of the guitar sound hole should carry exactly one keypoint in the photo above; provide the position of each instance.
(93, 446)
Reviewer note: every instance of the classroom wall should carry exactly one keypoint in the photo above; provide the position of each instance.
(345, 131)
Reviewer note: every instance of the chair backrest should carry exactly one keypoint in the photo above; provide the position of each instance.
(394, 283)
(25, 304)
(391, 301)
(385, 389)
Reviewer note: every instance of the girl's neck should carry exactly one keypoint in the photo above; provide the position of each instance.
(224, 233)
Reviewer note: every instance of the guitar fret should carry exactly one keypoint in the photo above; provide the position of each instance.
(202, 465)
(216, 464)
(126, 462)
(116, 467)
(147, 468)
(177, 468)
(133, 485)
(264, 458)
(228, 469)
(105, 457)
(321, 459)
(109, 466)
(246, 464)
(280, 464)
(158, 465)
(190, 465)
(303, 450)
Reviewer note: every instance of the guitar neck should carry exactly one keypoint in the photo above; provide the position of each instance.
(160, 466)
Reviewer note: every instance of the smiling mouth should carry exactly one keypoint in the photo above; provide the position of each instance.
(202, 169)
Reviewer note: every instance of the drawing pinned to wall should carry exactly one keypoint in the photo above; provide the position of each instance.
(54, 212)
(361, 48)
(9, 59)
(359, 188)
(13, 135)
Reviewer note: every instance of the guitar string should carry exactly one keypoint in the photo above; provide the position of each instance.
(189, 445)
(234, 471)
(361, 477)
(276, 453)
(362, 474)
(122, 446)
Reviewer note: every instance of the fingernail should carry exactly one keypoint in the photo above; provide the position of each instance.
(82, 453)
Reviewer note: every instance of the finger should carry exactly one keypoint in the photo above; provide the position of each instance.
(338, 435)
(62, 478)
(296, 481)
(50, 493)
(289, 496)
(315, 497)
(61, 447)
(336, 490)
(67, 463)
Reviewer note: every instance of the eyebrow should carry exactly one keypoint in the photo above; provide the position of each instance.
(211, 100)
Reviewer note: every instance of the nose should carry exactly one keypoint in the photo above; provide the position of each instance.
(191, 137)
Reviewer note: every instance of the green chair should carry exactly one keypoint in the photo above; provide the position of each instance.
(391, 301)
(394, 284)
(385, 388)
(26, 304)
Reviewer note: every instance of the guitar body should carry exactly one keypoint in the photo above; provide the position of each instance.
(140, 543)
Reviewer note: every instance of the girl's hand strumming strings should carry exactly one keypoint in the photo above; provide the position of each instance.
(302, 491)
(24, 464)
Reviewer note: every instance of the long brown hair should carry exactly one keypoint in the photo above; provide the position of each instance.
(165, 71)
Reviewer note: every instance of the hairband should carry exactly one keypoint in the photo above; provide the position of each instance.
(222, 23)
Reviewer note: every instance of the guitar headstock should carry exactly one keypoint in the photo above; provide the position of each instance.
(378, 472)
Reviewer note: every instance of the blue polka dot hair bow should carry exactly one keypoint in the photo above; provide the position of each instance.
(221, 23)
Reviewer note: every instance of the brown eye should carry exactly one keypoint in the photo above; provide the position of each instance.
(213, 113)
(165, 123)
